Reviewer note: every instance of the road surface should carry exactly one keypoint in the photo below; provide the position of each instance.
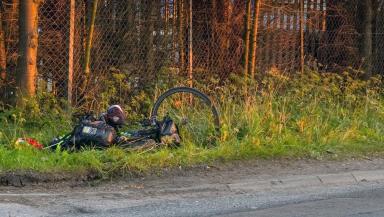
(353, 188)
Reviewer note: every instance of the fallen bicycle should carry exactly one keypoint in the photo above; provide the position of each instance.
(159, 129)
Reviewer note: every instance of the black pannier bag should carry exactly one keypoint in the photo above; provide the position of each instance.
(93, 133)
(169, 132)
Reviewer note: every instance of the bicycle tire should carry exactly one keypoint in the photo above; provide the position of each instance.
(194, 92)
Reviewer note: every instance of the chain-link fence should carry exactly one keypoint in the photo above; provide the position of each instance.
(146, 39)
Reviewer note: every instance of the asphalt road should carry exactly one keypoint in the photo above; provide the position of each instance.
(360, 203)
(342, 193)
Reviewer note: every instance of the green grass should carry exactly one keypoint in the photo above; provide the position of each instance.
(313, 116)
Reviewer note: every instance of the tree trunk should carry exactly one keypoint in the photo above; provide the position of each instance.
(149, 30)
(128, 43)
(212, 58)
(247, 37)
(166, 17)
(223, 41)
(10, 28)
(302, 24)
(71, 42)
(3, 53)
(190, 47)
(28, 43)
(379, 45)
(254, 37)
(3, 58)
(165, 39)
(88, 48)
(174, 27)
(181, 35)
(366, 46)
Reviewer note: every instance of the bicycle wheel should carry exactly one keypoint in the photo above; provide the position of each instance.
(194, 113)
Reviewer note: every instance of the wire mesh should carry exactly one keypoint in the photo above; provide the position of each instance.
(146, 40)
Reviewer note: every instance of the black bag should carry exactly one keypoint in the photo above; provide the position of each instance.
(93, 133)
(169, 132)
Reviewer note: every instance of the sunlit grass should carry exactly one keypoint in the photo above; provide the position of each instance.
(309, 116)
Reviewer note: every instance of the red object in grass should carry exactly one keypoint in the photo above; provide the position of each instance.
(34, 143)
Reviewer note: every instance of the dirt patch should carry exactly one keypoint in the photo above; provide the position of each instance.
(29, 178)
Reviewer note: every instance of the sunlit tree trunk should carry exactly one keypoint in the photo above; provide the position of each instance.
(302, 25)
(71, 42)
(3, 53)
(174, 27)
(181, 35)
(255, 31)
(247, 36)
(28, 43)
(190, 47)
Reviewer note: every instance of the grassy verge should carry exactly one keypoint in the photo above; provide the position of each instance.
(306, 116)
